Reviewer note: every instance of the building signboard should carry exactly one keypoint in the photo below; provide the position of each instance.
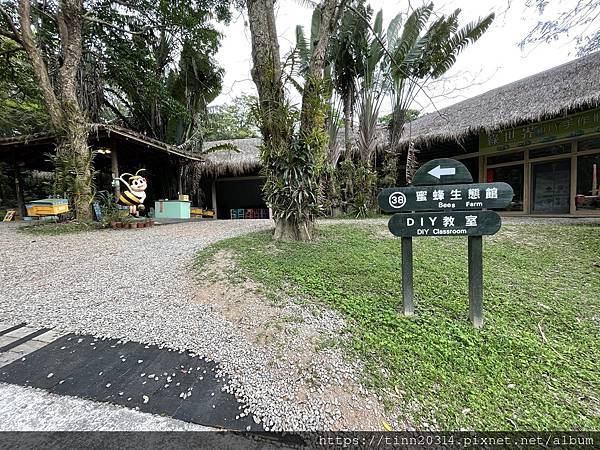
(573, 125)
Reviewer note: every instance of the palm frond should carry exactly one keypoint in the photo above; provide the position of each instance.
(222, 147)
(393, 30)
(378, 24)
(459, 41)
(410, 64)
(302, 46)
(409, 39)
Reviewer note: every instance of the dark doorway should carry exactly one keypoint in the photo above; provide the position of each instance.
(238, 194)
(551, 183)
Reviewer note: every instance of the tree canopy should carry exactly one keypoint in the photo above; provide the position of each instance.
(234, 120)
(22, 109)
(147, 65)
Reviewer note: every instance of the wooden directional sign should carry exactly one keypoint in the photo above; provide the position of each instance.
(455, 197)
(442, 171)
(458, 207)
(459, 223)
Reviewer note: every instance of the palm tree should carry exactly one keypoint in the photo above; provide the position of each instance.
(416, 56)
(347, 52)
(372, 89)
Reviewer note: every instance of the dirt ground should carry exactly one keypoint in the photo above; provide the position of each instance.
(304, 342)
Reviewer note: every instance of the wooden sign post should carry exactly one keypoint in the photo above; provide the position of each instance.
(453, 206)
(10, 214)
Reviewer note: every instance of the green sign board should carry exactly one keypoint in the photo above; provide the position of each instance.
(442, 171)
(452, 197)
(458, 208)
(459, 223)
(540, 132)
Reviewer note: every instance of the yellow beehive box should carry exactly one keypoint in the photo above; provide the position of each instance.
(47, 207)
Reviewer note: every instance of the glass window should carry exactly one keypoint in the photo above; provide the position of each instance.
(589, 144)
(588, 183)
(551, 186)
(505, 158)
(550, 151)
(512, 175)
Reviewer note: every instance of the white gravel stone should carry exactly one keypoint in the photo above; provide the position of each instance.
(137, 285)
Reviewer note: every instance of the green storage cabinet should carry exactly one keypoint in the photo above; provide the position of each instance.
(171, 209)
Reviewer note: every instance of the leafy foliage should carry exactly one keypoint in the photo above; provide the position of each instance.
(293, 168)
(420, 53)
(235, 120)
(147, 65)
(160, 77)
(22, 110)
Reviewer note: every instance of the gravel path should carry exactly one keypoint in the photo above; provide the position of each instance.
(131, 284)
(136, 285)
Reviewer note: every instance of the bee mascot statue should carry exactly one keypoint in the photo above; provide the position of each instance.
(134, 195)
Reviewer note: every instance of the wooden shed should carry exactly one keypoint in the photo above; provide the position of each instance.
(118, 150)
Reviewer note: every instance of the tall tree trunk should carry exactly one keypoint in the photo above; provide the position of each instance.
(290, 175)
(396, 130)
(347, 124)
(330, 11)
(412, 164)
(266, 73)
(77, 156)
(68, 120)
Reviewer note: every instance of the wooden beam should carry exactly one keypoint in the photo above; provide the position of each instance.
(408, 306)
(114, 167)
(475, 252)
(214, 197)
(179, 178)
(573, 186)
(19, 190)
(527, 188)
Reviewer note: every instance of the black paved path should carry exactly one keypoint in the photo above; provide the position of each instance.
(134, 375)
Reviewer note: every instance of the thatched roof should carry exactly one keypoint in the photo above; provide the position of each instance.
(221, 162)
(548, 94)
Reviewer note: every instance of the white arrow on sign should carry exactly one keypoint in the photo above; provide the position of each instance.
(439, 172)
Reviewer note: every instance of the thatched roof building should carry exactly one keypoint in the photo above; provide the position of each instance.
(541, 135)
(231, 162)
(566, 88)
(117, 150)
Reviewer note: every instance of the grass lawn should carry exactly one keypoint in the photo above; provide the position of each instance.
(536, 363)
(56, 228)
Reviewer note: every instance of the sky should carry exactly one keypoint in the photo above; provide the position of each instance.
(494, 60)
